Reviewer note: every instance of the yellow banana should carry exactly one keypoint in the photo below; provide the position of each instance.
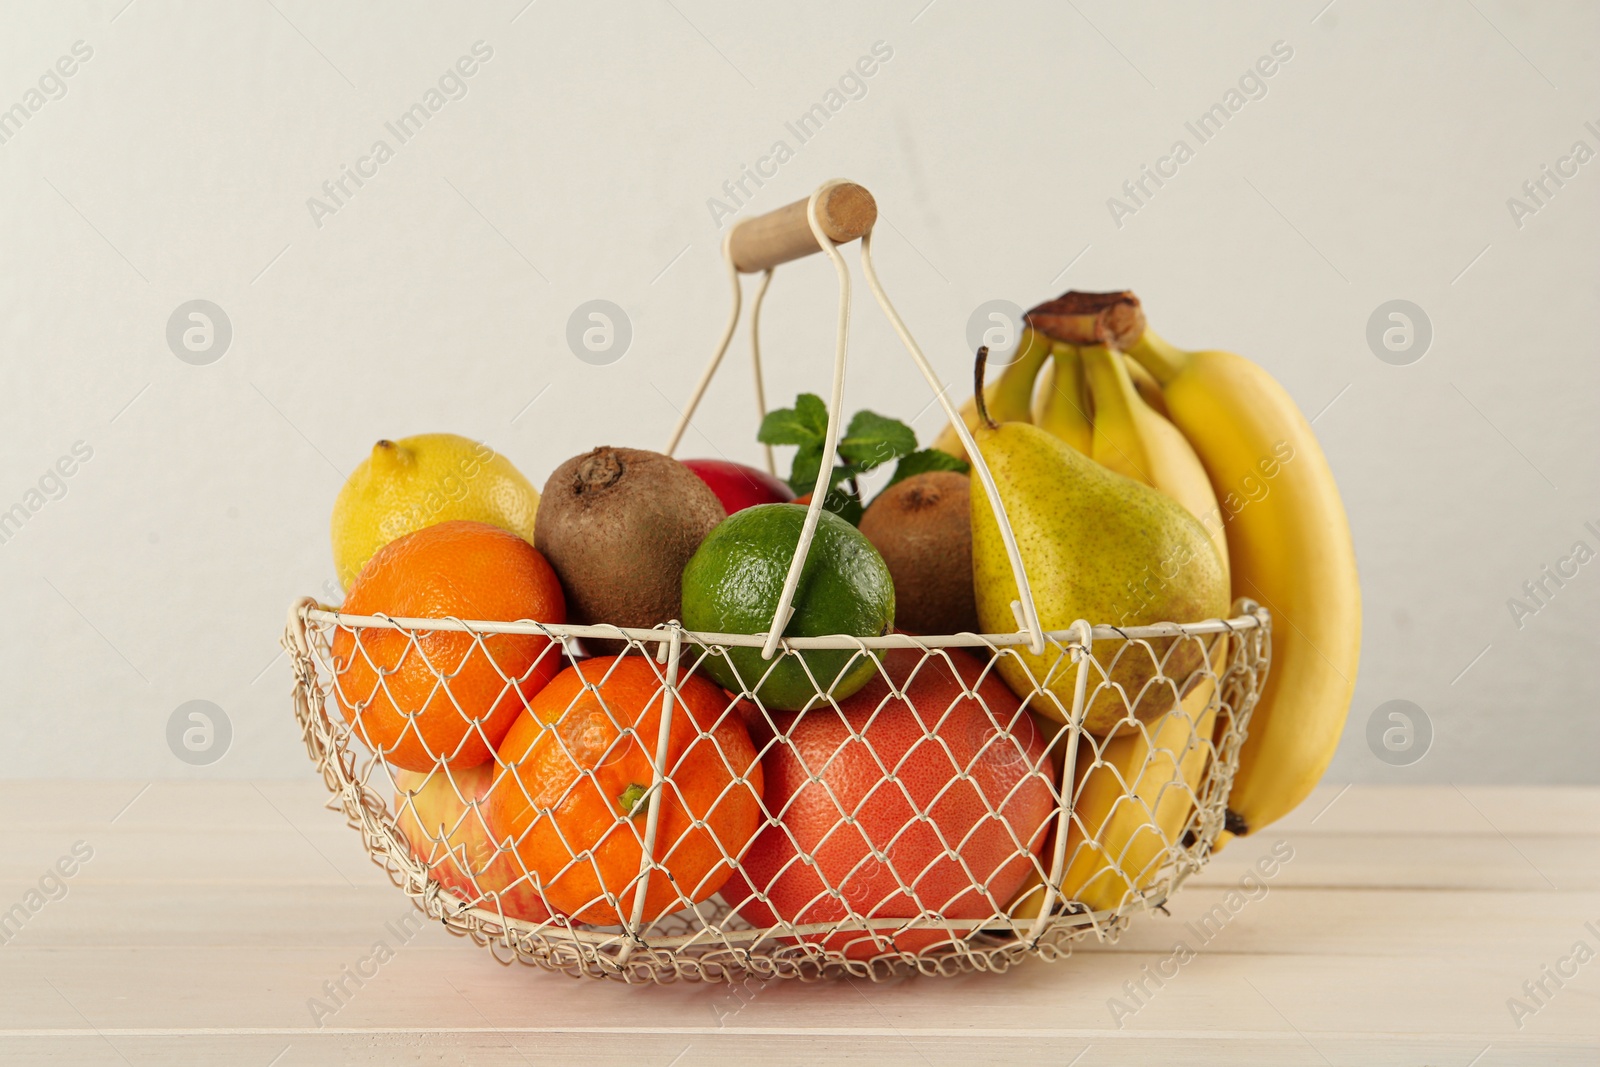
(1136, 442)
(1062, 406)
(1132, 798)
(1046, 382)
(1009, 397)
(1149, 388)
(1290, 550)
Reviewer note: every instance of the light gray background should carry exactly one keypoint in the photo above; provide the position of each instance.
(579, 165)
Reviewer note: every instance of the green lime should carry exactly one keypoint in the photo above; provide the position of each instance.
(732, 585)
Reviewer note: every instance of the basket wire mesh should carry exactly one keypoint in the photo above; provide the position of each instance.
(956, 901)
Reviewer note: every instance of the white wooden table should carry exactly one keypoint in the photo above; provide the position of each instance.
(212, 914)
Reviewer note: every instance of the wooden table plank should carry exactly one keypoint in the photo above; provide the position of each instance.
(499, 1049)
(426, 986)
(1523, 862)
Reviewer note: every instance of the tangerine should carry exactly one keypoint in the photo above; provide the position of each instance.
(573, 794)
(429, 697)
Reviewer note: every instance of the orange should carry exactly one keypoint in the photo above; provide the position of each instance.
(431, 697)
(574, 792)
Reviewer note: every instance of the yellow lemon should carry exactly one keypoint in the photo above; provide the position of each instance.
(418, 481)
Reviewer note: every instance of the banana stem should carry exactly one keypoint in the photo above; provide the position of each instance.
(1164, 360)
(1079, 318)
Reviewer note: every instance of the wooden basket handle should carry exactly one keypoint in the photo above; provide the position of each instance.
(845, 210)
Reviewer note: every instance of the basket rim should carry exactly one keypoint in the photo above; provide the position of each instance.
(666, 633)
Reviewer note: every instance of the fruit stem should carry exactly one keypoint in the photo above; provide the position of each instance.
(978, 369)
(1079, 318)
(1164, 360)
(631, 799)
(387, 455)
(1012, 396)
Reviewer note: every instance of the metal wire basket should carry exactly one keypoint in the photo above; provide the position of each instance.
(939, 820)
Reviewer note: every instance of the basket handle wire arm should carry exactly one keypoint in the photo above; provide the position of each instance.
(755, 358)
(819, 493)
(1026, 612)
(722, 348)
(716, 357)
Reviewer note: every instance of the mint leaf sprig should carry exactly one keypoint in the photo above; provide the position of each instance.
(870, 441)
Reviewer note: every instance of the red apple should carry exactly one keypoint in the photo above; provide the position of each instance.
(739, 486)
(441, 813)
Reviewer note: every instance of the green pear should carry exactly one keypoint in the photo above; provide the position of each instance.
(1096, 545)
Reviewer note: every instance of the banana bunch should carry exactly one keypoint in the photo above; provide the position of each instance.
(1217, 434)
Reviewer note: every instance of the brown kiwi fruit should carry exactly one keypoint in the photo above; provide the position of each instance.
(618, 525)
(923, 529)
